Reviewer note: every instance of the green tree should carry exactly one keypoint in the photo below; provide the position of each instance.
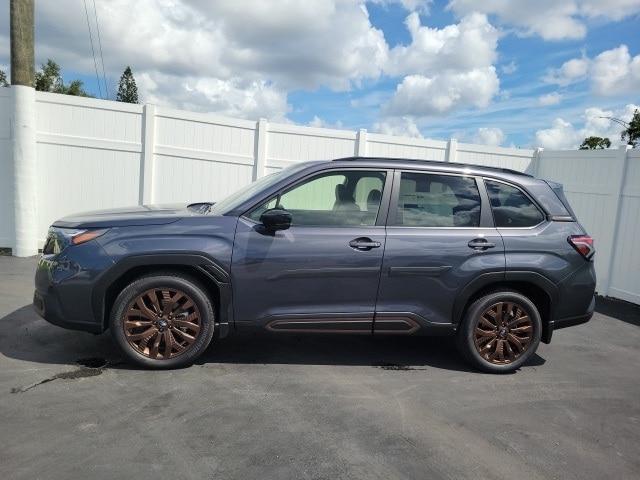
(631, 134)
(3, 79)
(74, 88)
(595, 143)
(49, 79)
(127, 89)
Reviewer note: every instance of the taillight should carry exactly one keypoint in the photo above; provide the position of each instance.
(583, 245)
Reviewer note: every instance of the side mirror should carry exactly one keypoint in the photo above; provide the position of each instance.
(276, 219)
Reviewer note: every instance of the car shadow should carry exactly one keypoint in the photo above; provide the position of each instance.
(25, 336)
(618, 309)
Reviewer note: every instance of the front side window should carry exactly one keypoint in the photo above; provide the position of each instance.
(430, 200)
(511, 207)
(339, 198)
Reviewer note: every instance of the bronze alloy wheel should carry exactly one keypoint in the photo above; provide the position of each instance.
(503, 333)
(162, 323)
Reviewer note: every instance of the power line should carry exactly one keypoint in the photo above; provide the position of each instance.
(104, 76)
(95, 63)
(617, 120)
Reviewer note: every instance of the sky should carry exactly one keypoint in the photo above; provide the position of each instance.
(517, 73)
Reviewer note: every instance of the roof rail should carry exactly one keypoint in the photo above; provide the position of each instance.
(434, 162)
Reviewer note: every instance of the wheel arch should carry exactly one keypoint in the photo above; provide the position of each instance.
(539, 289)
(213, 277)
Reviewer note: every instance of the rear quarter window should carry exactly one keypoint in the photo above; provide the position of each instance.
(511, 207)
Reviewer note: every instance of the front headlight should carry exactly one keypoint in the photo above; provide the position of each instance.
(60, 238)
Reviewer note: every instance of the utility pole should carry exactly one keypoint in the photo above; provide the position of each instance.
(23, 128)
(22, 52)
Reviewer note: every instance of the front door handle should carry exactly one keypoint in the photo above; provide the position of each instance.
(363, 243)
(480, 244)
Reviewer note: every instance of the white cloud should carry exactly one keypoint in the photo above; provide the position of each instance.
(418, 95)
(550, 19)
(421, 6)
(253, 51)
(612, 72)
(552, 98)
(561, 135)
(318, 122)
(509, 68)
(233, 97)
(447, 68)
(401, 126)
(564, 135)
(609, 9)
(615, 71)
(459, 47)
(489, 136)
(570, 72)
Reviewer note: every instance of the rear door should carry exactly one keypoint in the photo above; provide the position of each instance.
(440, 236)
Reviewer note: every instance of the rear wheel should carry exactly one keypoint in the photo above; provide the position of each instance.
(500, 332)
(163, 320)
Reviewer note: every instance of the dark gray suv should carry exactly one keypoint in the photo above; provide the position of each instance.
(363, 246)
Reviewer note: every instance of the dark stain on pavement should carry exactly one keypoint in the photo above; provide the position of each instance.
(395, 366)
(89, 367)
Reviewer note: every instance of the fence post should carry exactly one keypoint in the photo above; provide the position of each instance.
(23, 154)
(534, 166)
(617, 184)
(361, 143)
(452, 150)
(148, 158)
(260, 154)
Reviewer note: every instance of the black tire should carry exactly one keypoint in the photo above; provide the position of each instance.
(201, 305)
(471, 341)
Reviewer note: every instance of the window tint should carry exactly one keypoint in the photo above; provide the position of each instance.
(511, 207)
(331, 199)
(428, 200)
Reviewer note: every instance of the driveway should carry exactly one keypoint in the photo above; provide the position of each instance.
(314, 407)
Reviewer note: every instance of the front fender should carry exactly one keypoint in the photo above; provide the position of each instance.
(206, 266)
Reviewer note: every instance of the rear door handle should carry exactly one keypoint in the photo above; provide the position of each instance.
(480, 244)
(363, 243)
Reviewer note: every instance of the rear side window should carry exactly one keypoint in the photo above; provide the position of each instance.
(511, 207)
(430, 200)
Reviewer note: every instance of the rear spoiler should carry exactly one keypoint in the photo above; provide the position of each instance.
(559, 191)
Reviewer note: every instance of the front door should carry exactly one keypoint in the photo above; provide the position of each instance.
(440, 236)
(322, 273)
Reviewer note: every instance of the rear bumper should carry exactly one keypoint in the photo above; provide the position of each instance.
(559, 323)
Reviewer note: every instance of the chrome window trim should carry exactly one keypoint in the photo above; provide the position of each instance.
(393, 207)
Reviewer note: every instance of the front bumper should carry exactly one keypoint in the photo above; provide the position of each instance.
(48, 307)
(64, 285)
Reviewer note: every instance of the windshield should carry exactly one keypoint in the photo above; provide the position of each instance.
(245, 193)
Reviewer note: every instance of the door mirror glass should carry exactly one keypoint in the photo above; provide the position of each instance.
(276, 219)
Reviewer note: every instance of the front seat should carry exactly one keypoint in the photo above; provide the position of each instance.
(344, 201)
(373, 201)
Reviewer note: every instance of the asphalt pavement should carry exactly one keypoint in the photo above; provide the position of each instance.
(314, 407)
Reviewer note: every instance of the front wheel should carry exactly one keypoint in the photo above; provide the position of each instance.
(500, 332)
(163, 320)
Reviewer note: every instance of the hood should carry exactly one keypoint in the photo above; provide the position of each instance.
(133, 216)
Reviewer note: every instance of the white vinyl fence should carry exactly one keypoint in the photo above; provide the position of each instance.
(94, 154)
